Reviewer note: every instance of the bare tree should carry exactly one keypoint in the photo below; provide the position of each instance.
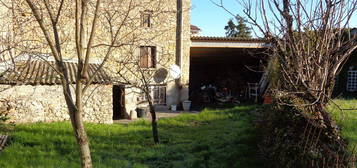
(311, 41)
(48, 16)
(141, 73)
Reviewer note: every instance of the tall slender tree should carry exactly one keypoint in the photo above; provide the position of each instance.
(238, 29)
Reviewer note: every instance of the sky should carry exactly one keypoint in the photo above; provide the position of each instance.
(212, 19)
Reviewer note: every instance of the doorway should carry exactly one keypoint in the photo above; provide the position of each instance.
(119, 111)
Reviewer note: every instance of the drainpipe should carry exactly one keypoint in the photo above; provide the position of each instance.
(179, 27)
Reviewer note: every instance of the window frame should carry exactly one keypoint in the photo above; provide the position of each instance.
(157, 93)
(351, 81)
(150, 58)
(146, 19)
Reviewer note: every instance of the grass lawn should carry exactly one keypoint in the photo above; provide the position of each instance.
(346, 119)
(213, 138)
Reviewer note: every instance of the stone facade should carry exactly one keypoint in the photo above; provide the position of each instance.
(34, 104)
(46, 103)
(163, 36)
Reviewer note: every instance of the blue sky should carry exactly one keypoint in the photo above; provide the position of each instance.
(212, 19)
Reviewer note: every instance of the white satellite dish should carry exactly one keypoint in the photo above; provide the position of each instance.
(160, 75)
(175, 71)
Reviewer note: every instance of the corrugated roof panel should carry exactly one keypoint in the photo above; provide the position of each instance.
(235, 39)
(42, 73)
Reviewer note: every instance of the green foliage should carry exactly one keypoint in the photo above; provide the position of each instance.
(273, 73)
(240, 29)
(212, 138)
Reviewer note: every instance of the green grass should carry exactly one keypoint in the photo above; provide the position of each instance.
(213, 138)
(346, 119)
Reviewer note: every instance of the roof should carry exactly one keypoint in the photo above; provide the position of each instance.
(228, 42)
(227, 39)
(42, 73)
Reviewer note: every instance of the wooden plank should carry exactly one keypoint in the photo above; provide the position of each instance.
(3, 139)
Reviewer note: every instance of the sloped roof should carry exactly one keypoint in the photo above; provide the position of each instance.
(42, 73)
(226, 39)
(228, 42)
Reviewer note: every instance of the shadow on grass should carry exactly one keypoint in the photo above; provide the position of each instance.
(213, 138)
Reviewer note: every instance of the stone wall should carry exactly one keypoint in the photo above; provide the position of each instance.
(46, 103)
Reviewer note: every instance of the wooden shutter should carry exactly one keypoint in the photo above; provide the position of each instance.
(149, 60)
(144, 56)
(153, 57)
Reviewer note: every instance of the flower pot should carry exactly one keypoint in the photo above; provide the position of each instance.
(267, 99)
(186, 105)
(141, 112)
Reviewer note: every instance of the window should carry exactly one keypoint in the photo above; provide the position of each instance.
(157, 93)
(146, 19)
(147, 57)
(352, 81)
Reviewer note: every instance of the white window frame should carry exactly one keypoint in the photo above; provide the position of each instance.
(351, 81)
(157, 93)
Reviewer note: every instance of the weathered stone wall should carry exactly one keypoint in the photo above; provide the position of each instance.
(46, 103)
(162, 34)
(186, 38)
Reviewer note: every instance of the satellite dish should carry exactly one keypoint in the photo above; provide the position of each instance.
(160, 75)
(175, 71)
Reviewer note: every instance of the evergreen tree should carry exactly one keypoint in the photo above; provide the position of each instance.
(240, 29)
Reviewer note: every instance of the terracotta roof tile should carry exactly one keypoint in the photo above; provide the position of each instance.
(42, 73)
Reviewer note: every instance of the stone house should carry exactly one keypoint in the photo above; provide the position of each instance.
(32, 93)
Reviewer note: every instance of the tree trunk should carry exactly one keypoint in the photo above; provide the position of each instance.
(82, 140)
(155, 132)
(81, 135)
(76, 113)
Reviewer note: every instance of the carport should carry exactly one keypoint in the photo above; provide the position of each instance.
(228, 64)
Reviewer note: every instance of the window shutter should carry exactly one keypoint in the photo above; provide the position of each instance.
(143, 57)
(155, 56)
(150, 57)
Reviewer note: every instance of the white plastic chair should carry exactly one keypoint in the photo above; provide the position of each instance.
(253, 91)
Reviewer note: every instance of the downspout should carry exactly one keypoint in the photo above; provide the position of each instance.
(179, 27)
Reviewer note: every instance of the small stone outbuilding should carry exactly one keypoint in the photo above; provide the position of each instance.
(32, 93)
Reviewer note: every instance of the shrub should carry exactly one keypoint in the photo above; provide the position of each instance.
(290, 140)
